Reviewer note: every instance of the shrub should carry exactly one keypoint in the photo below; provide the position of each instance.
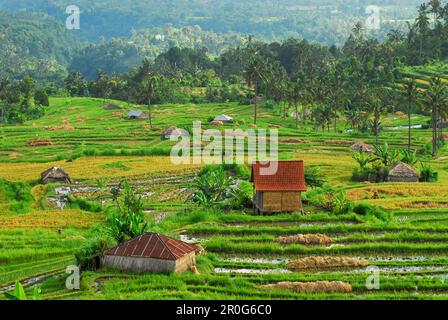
(313, 177)
(370, 211)
(240, 197)
(84, 204)
(87, 256)
(330, 199)
(428, 174)
(214, 186)
(126, 220)
(19, 193)
(409, 157)
(361, 175)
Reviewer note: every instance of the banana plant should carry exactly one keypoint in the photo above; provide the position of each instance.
(19, 293)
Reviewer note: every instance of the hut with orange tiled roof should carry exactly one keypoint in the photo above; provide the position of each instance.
(278, 186)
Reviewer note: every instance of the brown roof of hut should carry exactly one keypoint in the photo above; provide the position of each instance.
(402, 172)
(153, 245)
(55, 174)
(363, 147)
(289, 176)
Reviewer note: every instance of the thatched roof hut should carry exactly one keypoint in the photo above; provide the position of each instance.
(363, 147)
(55, 174)
(223, 118)
(174, 131)
(151, 253)
(402, 172)
(137, 114)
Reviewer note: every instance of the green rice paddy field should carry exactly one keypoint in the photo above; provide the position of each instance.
(89, 142)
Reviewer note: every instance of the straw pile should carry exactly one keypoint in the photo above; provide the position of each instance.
(311, 287)
(293, 141)
(217, 123)
(15, 155)
(59, 128)
(325, 262)
(40, 143)
(306, 239)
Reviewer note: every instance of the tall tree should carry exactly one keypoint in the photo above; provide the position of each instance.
(255, 74)
(409, 93)
(435, 98)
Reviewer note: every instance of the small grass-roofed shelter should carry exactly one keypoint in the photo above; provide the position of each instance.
(402, 172)
(55, 174)
(223, 118)
(137, 114)
(280, 191)
(151, 253)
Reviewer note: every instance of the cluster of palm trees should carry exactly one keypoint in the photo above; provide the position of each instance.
(433, 99)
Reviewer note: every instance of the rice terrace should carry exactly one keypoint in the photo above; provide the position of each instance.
(93, 207)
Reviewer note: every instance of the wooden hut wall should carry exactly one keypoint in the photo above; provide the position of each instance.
(272, 201)
(139, 265)
(291, 201)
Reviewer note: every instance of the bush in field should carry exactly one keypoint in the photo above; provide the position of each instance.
(330, 199)
(126, 220)
(19, 193)
(87, 256)
(313, 177)
(85, 205)
(362, 173)
(428, 174)
(409, 157)
(370, 211)
(213, 186)
(241, 195)
(386, 155)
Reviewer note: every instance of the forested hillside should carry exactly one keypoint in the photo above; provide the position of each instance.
(36, 45)
(322, 20)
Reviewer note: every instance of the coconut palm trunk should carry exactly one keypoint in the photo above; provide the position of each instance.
(149, 113)
(409, 122)
(296, 108)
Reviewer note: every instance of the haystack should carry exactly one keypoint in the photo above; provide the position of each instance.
(112, 107)
(217, 123)
(293, 141)
(40, 143)
(306, 239)
(55, 174)
(325, 262)
(402, 172)
(363, 147)
(311, 287)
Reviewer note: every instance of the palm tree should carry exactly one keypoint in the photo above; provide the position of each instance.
(148, 89)
(422, 24)
(255, 74)
(409, 93)
(435, 99)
